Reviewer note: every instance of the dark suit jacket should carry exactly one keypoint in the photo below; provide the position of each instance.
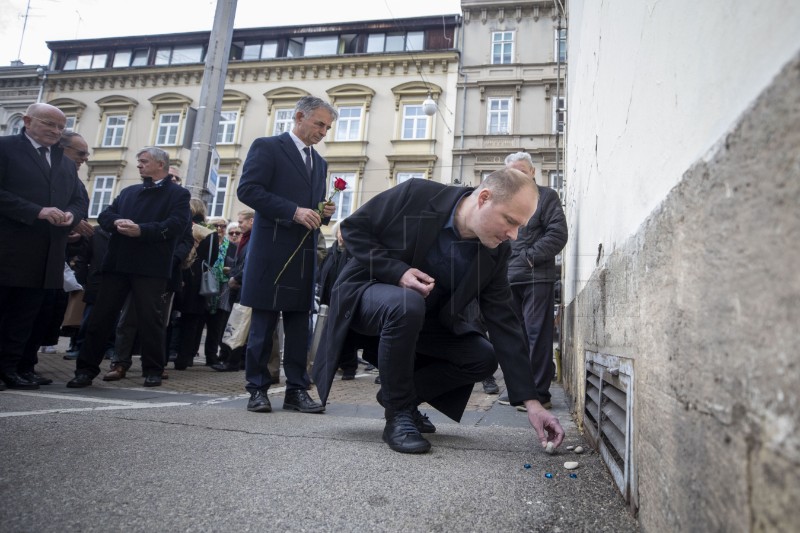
(392, 233)
(274, 183)
(33, 249)
(162, 214)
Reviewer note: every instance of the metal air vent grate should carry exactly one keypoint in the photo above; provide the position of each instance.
(609, 417)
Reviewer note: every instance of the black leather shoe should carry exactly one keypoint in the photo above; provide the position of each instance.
(36, 378)
(348, 377)
(421, 421)
(225, 367)
(18, 381)
(402, 435)
(259, 403)
(299, 400)
(79, 381)
(152, 381)
(490, 386)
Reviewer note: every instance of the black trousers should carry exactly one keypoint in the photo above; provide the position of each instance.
(148, 298)
(259, 349)
(534, 306)
(191, 332)
(19, 307)
(418, 363)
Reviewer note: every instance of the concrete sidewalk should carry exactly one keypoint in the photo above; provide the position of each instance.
(188, 456)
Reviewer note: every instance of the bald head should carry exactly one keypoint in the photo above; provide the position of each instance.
(44, 123)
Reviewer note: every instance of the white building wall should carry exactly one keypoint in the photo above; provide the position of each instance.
(652, 86)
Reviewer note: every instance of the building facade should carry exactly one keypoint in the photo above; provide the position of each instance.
(511, 88)
(125, 93)
(20, 86)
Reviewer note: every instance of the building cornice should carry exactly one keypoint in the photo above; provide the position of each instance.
(337, 67)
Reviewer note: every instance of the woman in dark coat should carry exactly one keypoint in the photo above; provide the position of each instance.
(195, 309)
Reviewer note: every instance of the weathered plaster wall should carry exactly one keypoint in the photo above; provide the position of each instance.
(705, 298)
(652, 86)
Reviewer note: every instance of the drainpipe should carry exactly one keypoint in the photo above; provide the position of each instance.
(463, 105)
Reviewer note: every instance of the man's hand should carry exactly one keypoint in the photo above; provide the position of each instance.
(233, 284)
(127, 227)
(84, 229)
(547, 426)
(307, 217)
(55, 216)
(328, 209)
(417, 280)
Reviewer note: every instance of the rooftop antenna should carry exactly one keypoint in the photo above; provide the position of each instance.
(78, 25)
(18, 61)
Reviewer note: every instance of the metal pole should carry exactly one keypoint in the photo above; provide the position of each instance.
(204, 138)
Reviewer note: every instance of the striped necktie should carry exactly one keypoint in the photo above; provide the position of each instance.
(307, 151)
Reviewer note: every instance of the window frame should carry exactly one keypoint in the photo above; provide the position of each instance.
(353, 125)
(490, 113)
(503, 43)
(560, 47)
(416, 118)
(216, 207)
(559, 123)
(288, 123)
(169, 129)
(227, 128)
(346, 197)
(408, 174)
(116, 128)
(105, 193)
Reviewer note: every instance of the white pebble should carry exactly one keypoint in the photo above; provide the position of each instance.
(570, 447)
(578, 449)
(571, 465)
(550, 448)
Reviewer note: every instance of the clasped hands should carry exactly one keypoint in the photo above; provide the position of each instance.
(56, 216)
(127, 227)
(310, 218)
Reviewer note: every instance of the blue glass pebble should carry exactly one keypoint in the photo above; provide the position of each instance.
(527, 465)
(574, 476)
(548, 475)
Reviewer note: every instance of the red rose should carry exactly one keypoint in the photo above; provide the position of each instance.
(339, 184)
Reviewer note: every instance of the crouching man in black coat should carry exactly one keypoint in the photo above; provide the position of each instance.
(145, 221)
(429, 259)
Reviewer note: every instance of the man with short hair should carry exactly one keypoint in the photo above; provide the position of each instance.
(75, 147)
(283, 180)
(532, 275)
(429, 259)
(145, 222)
(41, 199)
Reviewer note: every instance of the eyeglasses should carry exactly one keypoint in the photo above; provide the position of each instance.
(51, 124)
(220, 225)
(81, 153)
(234, 233)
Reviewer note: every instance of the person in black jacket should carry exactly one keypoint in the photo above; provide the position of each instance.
(532, 275)
(41, 200)
(145, 221)
(427, 259)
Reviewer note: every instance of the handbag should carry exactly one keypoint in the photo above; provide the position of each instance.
(209, 284)
(238, 326)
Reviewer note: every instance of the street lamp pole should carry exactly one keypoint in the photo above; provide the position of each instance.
(204, 138)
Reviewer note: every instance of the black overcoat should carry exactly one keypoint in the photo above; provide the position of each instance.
(392, 233)
(33, 249)
(274, 184)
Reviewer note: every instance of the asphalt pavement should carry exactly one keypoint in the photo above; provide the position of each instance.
(187, 456)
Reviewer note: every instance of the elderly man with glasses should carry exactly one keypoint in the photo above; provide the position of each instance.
(41, 200)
